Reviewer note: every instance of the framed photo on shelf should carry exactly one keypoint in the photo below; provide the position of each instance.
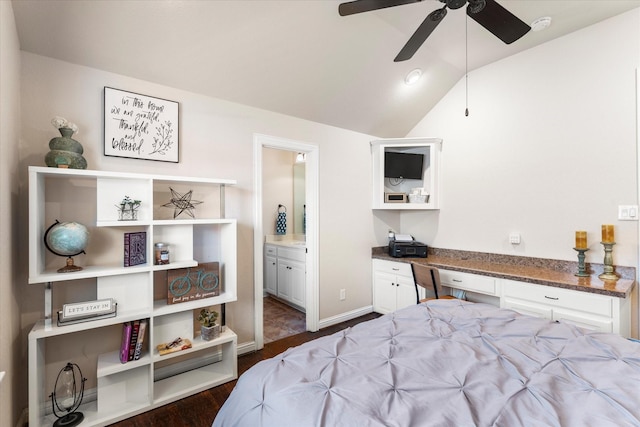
(140, 127)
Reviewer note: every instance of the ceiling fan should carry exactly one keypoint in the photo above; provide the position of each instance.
(493, 17)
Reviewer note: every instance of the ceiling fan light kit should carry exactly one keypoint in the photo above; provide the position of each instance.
(413, 77)
(488, 13)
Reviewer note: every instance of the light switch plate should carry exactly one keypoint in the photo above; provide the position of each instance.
(628, 212)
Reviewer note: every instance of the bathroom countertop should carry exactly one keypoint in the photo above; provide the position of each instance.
(288, 243)
(555, 273)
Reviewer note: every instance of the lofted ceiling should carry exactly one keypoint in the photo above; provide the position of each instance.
(295, 57)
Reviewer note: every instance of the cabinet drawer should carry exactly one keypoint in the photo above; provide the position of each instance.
(529, 309)
(468, 282)
(293, 254)
(558, 297)
(583, 321)
(395, 268)
(270, 250)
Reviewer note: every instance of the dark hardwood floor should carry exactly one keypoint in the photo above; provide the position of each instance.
(200, 409)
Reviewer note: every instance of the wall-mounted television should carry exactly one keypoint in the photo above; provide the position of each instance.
(403, 165)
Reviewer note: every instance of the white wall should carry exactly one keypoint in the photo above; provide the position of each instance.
(549, 148)
(277, 187)
(216, 140)
(13, 386)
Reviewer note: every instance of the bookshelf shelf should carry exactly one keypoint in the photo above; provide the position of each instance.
(109, 364)
(115, 390)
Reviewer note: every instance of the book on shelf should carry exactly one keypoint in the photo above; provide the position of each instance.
(135, 248)
(140, 341)
(135, 328)
(126, 340)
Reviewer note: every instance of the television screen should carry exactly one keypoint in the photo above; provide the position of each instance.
(403, 165)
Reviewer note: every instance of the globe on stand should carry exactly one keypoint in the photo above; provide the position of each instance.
(67, 239)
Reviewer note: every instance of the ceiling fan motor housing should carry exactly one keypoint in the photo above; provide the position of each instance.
(455, 4)
(476, 6)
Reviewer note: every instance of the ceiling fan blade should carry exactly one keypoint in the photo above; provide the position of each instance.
(424, 30)
(359, 6)
(500, 22)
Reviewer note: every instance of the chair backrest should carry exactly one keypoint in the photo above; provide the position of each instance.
(427, 277)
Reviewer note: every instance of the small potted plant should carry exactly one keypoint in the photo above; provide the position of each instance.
(128, 209)
(210, 329)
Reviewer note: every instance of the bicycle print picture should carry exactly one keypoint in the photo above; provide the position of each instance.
(193, 283)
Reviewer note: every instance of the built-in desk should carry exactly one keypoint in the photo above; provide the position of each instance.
(585, 301)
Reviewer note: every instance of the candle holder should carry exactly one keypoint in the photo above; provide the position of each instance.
(608, 273)
(582, 271)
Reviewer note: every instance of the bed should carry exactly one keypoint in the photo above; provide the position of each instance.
(445, 363)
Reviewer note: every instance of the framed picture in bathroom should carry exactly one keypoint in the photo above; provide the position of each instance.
(139, 126)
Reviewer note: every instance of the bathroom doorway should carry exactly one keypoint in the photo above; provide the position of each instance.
(302, 222)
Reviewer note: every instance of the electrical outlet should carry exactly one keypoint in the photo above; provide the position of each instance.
(514, 238)
(343, 294)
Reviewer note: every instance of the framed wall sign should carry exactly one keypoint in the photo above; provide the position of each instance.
(193, 283)
(140, 126)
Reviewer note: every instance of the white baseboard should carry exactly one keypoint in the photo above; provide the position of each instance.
(246, 347)
(330, 321)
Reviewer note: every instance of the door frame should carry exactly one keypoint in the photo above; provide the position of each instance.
(261, 141)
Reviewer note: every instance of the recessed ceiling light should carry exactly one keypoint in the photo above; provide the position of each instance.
(541, 23)
(413, 76)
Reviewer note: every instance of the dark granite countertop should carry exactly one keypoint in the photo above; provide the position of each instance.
(556, 273)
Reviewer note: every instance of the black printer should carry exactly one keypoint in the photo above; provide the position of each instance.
(402, 248)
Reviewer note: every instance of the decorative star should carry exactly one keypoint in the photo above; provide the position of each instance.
(182, 203)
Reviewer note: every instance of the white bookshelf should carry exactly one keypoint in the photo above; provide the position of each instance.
(90, 198)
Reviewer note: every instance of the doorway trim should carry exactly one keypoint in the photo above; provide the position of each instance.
(261, 141)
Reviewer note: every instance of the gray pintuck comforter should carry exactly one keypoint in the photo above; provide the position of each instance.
(445, 363)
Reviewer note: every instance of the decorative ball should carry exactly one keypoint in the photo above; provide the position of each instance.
(67, 238)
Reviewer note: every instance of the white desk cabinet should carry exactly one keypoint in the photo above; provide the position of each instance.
(120, 390)
(587, 310)
(393, 286)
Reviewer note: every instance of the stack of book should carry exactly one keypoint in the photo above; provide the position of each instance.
(133, 334)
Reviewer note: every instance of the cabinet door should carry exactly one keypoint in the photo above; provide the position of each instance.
(284, 280)
(271, 275)
(406, 292)
(298, 283)
(384, 292)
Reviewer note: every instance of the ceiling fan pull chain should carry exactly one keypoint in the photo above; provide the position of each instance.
(466, 67)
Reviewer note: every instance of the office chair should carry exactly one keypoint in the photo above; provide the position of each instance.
(427, 277)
